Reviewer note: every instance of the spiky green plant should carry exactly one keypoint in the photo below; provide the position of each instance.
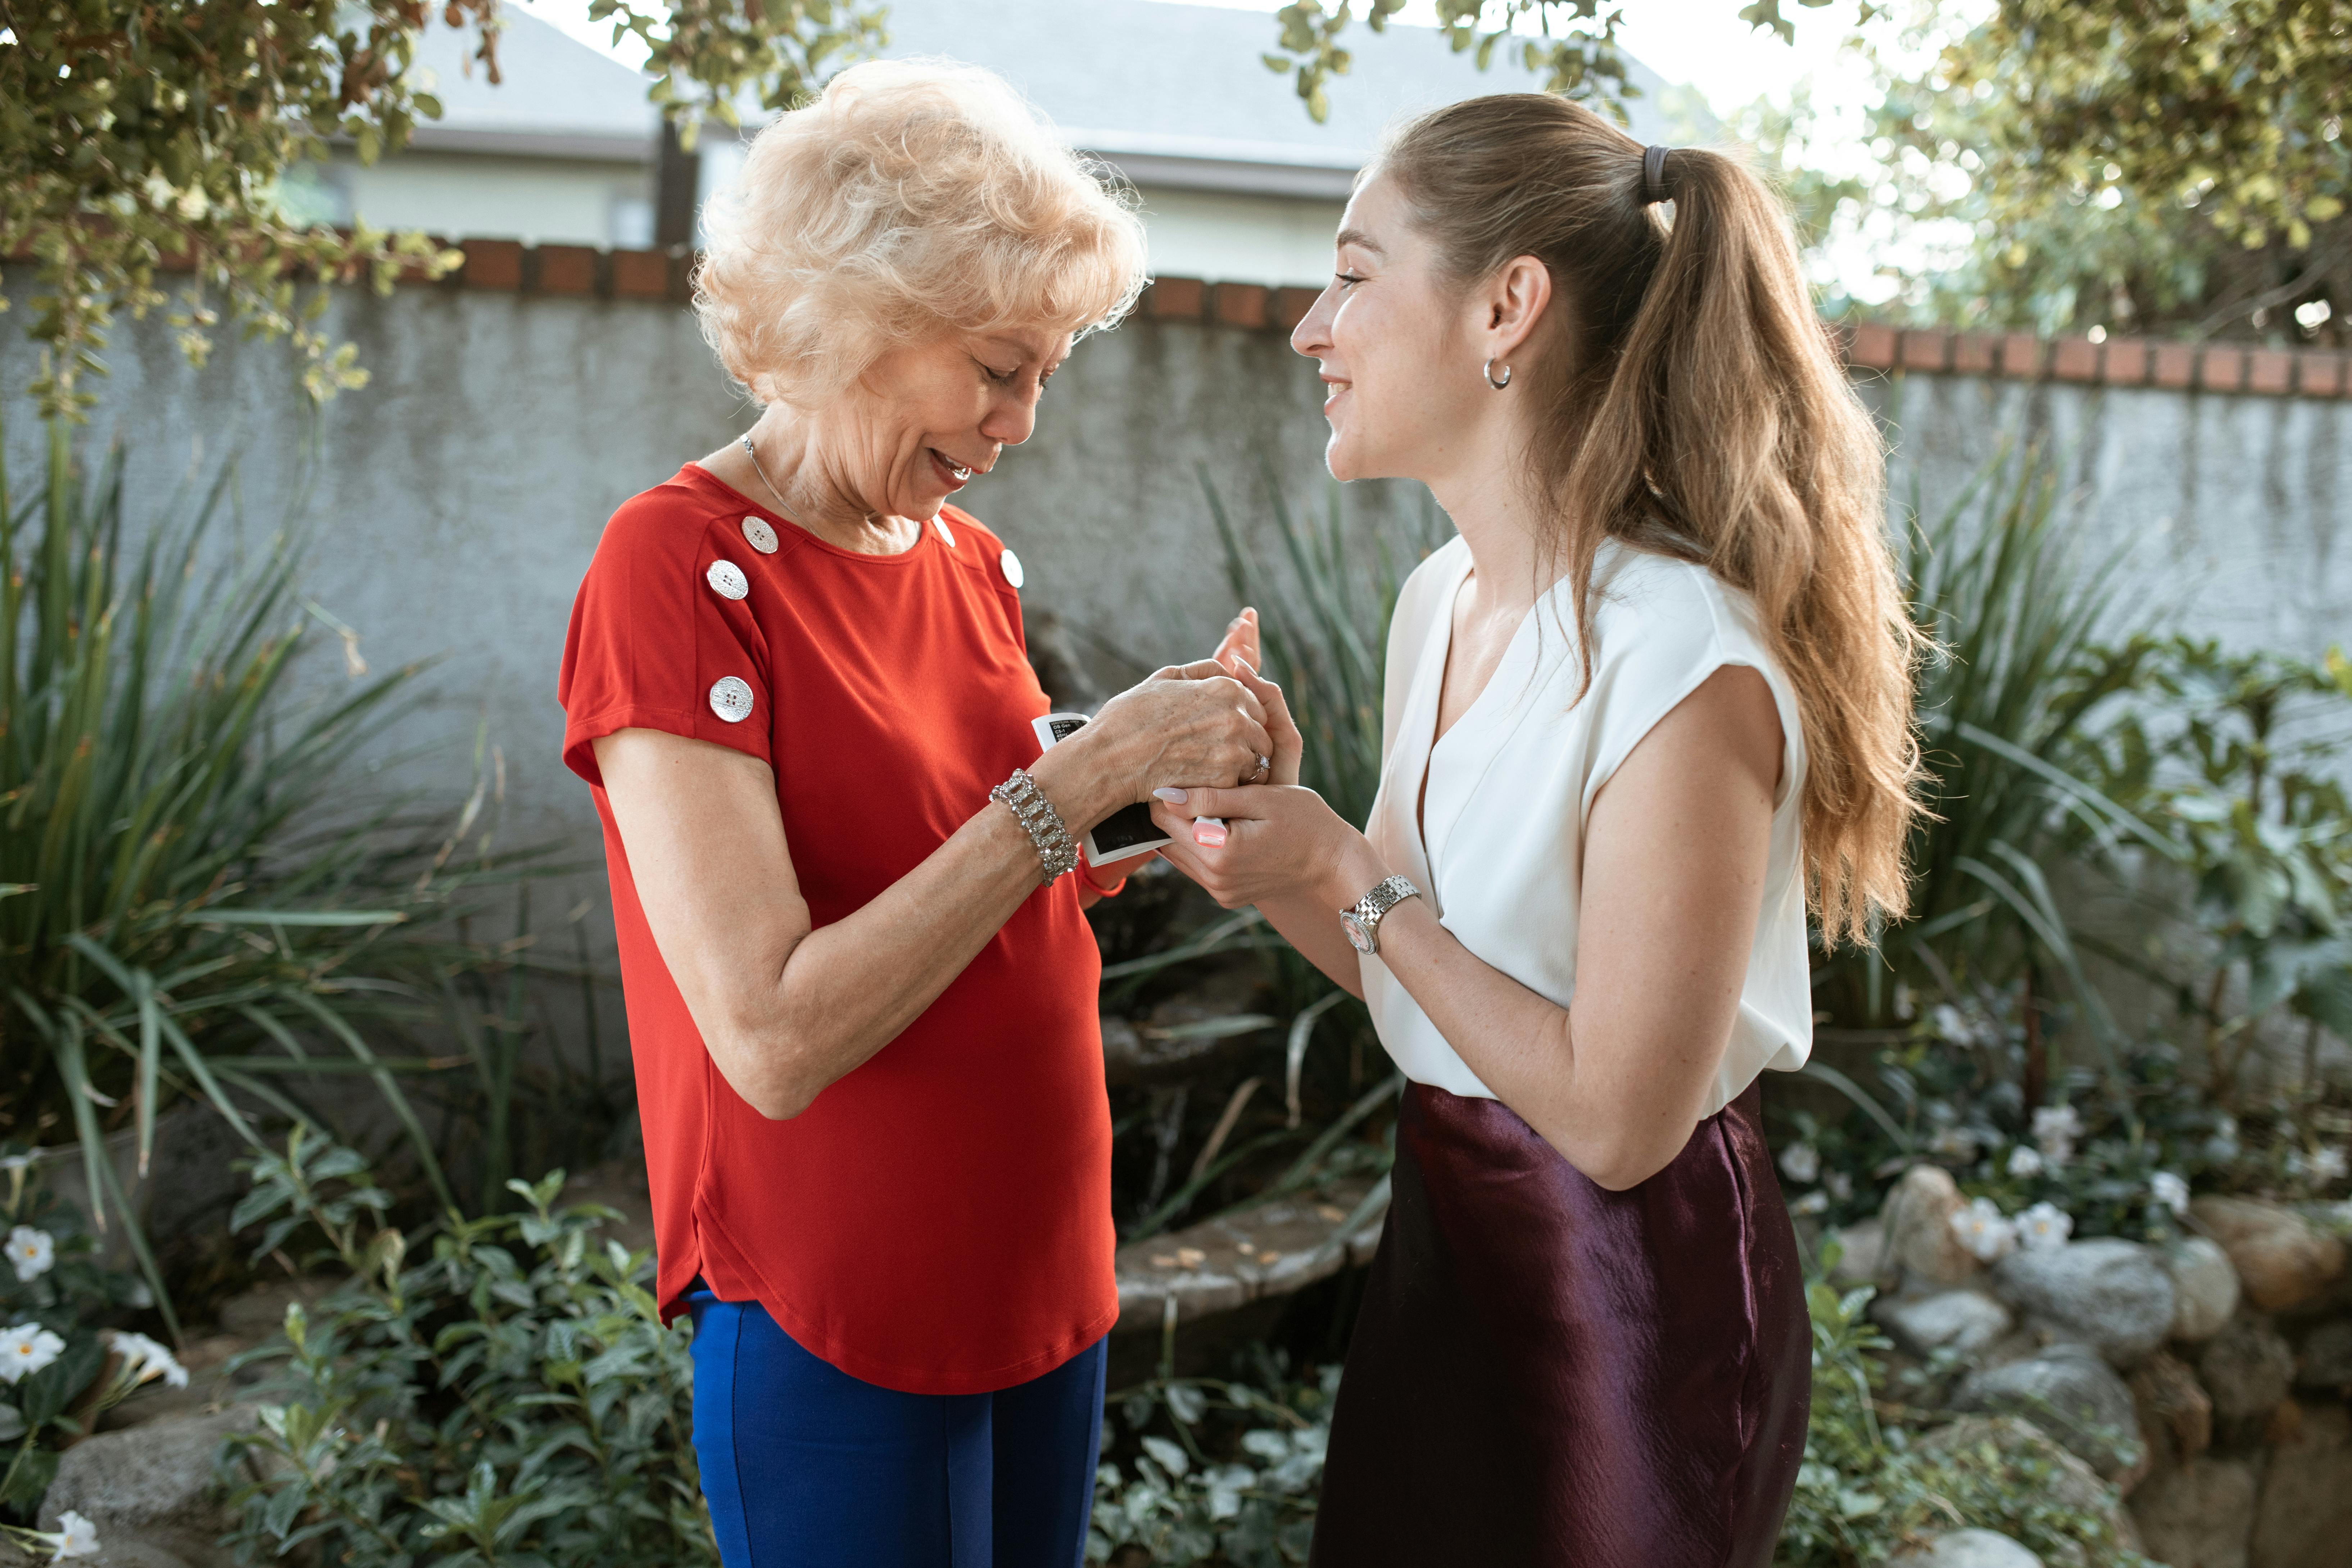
(192, 902)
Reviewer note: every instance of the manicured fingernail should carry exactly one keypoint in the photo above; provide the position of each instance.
(1209, 832)
(1172, 796)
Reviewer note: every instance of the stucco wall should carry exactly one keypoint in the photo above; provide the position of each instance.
(454, 502)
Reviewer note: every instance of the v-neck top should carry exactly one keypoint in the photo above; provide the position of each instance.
(1498, 849)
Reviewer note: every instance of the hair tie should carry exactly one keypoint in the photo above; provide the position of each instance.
(1653, 174)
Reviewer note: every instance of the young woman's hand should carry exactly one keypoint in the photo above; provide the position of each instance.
(1280, 842)
(1240, 641)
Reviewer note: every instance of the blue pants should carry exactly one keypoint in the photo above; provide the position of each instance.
(806, 1467)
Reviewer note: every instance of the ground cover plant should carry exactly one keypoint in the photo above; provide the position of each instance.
(491, 1391)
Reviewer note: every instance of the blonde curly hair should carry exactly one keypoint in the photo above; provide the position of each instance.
(908, 198)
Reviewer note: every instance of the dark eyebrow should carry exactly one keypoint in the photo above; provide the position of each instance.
(1360, 240)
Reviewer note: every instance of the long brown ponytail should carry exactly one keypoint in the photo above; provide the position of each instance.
(1699, 412)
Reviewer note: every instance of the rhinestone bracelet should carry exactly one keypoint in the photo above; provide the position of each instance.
(1055, 847)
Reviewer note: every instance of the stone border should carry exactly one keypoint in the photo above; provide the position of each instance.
(582, 271)
(1218, 1264)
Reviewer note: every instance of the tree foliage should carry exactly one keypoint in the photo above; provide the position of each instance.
(1573, 43)
(138, 133)
(2179, 166)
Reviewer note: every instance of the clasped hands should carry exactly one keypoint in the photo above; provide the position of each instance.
(1280, 840)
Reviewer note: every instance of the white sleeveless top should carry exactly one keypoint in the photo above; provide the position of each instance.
(1511, 786)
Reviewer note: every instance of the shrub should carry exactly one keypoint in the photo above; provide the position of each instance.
(513, 1403)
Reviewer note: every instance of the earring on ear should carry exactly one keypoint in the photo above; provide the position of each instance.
(1498, 386)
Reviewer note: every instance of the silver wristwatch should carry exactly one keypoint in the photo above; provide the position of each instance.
(1362, 919)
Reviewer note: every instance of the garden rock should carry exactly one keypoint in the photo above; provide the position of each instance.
(2283, 1258)
(147, 1488)
(1862, 1253)
(2072, 1395)
(2199, 1515)
(2247, 1369)
(1967, 1549)
(2304, 1517)
(1964, 1320)
(1917, 1220)
(2175, 1414)
(2073, 1486)
(2204, 1286)
(2327, 1358)
(2110, 1294)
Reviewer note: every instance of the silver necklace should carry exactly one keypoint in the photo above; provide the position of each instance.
(752, 453)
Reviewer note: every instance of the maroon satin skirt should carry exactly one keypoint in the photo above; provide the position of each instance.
(1548, 1373)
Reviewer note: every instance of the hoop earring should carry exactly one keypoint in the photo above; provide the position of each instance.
(1498, 386)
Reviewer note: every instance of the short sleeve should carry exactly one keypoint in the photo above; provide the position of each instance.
(1661, 628)
(664, 636)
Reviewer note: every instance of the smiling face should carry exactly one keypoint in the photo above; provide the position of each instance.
(924, 418)
(1397, 347)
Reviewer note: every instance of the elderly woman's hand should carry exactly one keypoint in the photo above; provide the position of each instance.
(1186, 725)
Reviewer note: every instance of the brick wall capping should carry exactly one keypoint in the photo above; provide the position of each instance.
(582, 271)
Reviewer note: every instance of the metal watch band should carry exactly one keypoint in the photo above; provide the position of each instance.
(1057, 852)
(1368, 911)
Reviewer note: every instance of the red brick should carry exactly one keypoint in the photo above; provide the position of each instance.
(1289, 306)
(2020, 355)
(1873, 347)
(567, 269)
(2126, 361)
(1975, 353)
(1177, 298)
(2075, 359)
(1241, 305)
(2270, 371)
(2175, 364)
(2221, 370)
(492, 264)
(640, 275)
(1926, 349)
(2322, 374)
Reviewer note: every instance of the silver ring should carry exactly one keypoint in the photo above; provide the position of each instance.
(1265, 766)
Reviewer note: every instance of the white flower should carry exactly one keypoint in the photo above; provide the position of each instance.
(1985, 1231)
(26, 1349)
(1840, 1186)
(2055, 1128)
(2024, 1160)
(1801, 1162)
(2171, 1190)
(2327, 1165)
(1954, 1143)
(143, 1357)
(75, 1537)
(34, 1252)
(2043, 1225)
(1952, 1024)
(1813, 1202)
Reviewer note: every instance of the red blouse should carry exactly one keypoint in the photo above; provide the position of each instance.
(938, 1220)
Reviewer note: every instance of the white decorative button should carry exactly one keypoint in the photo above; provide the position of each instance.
(731, 700)
(945, 532)
(1011, 564)
(762, 537)
(727, 580)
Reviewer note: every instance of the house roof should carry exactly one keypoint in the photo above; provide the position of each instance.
(1173, 94)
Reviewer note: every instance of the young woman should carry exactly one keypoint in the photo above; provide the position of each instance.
(1653, 703)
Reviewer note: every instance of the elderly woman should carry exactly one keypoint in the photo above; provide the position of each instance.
(866, 1044)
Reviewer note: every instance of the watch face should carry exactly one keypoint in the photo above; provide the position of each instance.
(1355, 930)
